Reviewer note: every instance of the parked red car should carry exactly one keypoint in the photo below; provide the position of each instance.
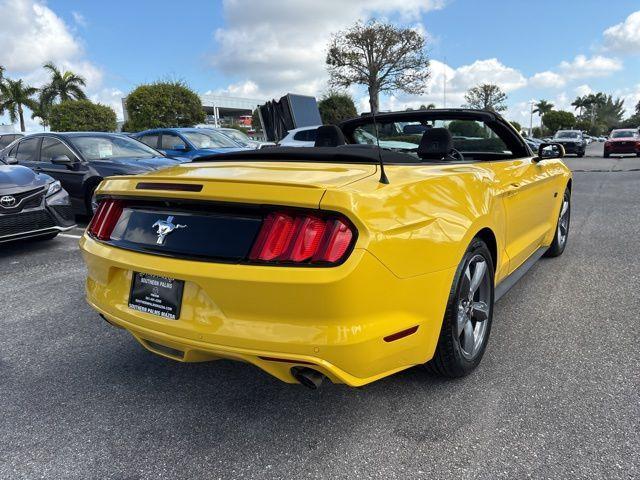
(625, 140)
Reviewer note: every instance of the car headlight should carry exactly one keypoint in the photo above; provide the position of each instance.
(54, 188)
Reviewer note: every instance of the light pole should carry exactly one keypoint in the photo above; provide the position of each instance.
(531, 119)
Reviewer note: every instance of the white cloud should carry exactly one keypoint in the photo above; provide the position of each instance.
(36, 35)
(79, 19)
(280, 46)
(33, 34)
(458, 81)
(625, 36)
(582, 90)
(547, 79)
(584, 67)
(111, 97)
(580, 67)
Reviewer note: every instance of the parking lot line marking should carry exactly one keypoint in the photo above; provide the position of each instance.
(68, 235)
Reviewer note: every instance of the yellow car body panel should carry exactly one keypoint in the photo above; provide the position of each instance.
(412, 234)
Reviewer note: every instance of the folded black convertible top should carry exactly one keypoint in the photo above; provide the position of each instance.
(342, 154)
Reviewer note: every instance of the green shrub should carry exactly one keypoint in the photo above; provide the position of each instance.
(82, 116)
(162, 105)
(335, 107)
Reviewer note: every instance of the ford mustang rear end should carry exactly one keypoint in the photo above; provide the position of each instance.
(305, 263)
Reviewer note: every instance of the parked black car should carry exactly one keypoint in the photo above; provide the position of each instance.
(32, 205)
(81, 160)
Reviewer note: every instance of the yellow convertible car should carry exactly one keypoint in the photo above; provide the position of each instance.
(381, 248)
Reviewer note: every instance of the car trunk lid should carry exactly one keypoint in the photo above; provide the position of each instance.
(294, 183)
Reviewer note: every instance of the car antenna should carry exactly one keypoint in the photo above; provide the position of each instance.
(383, 175)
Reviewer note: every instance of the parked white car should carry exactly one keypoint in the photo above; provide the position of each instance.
(300, 137)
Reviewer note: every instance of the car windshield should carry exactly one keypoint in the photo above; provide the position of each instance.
(567, 135)
(107, 147)
(209, 139)
(237, 135)
(469, 136)
(624, 133)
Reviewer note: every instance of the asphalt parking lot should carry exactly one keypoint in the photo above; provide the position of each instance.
(557, 394)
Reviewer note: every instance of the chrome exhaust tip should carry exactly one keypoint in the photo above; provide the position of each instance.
(308, 377)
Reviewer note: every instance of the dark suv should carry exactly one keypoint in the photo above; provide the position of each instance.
(573, 141)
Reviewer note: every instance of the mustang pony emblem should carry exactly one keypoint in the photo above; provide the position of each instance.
(165, 227)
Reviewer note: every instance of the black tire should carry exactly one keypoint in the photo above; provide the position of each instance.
(449, 359)
(606, 155)
(580, 155)
(87, 199)
(559, 243)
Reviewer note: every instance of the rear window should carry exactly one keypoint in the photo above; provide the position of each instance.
(27, 149)
(306, 135)
(6, 140)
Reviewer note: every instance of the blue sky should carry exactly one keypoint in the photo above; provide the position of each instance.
(542, 49)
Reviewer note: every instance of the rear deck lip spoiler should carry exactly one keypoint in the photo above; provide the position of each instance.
(177, 187)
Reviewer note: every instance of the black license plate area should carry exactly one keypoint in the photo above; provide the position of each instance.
(161, 296)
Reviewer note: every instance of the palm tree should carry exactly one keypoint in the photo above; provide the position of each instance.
(542, 107)
(579, 103)
(14, 95)
(63, 86)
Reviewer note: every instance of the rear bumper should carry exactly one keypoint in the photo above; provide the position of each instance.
(333, 319)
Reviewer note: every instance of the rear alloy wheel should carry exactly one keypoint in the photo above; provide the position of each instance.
(562, 229)
(467, 321)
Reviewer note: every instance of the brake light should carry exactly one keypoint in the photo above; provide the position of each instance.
(105, 219)
(336, 242)
(302, 238)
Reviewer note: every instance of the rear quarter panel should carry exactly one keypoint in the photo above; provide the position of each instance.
(423, 221)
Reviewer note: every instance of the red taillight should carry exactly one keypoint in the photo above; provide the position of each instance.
(274, 237)
(105, 219)
(300, 238)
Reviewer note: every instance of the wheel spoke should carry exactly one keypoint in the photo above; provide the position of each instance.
(563, 229)
(468, 340)
(565, 207)
(478, 275)
(463, 319)
(480, 311)
(465, 283)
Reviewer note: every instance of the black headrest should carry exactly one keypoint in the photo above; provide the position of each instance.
(329, 136)
(435, 144)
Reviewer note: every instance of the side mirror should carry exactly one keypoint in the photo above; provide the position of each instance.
(62, 160)
(547, 151)
(179, 148)
(11, 160)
